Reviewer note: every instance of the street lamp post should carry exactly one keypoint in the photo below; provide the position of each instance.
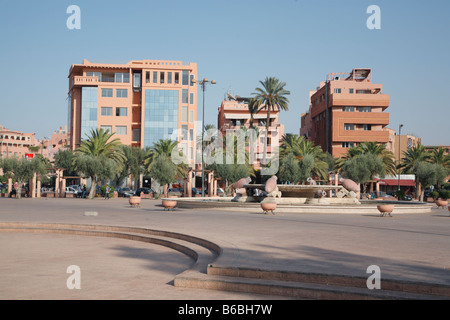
(203, 83)
(399, 139)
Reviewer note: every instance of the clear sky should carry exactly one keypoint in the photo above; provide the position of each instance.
(237, 43)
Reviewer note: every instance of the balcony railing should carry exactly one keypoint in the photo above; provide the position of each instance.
(83, 81)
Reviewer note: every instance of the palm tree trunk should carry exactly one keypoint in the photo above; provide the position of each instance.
(267, 135)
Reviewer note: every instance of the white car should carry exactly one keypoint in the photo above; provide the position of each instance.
(71, 190)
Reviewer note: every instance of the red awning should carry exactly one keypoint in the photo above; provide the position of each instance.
(394, 182)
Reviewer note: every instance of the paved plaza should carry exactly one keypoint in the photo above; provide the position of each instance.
(412, 247)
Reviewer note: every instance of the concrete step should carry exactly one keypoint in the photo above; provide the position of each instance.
(301, 290)
(395, 285)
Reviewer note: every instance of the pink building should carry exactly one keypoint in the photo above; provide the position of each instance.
(234, 114)
(59, 140)
(15, 143)
(140, 101)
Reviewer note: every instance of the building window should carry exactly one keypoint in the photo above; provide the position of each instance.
(191, 134)
(348, 109)
(184, 96)
(365, 109)
(121, 130)
(155, 77)
(348, 144)
(161, 115)
(184, 114)
(184, 132)
(106, 128)
(122, 77)
(191, 78)
(367, 127)
(147, 76)
(191, 98)
(191, 116)
(121, 93)
(349, 126)
(136, 134)
(107, 93)
(106, 111)
(121, 111)
(94, 74)
(161, 77)
(169, 77)
(350, 90)
(177, 77)
(185, 80)
(337, 90)
(108, 77)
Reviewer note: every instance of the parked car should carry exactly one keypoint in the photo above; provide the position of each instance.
(71, 190)
(143, 190)
(125, 192)
(175, 192)
(220, 192)
(195, 191)
(407, 197)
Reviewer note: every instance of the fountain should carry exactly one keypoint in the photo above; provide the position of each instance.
(290, 194)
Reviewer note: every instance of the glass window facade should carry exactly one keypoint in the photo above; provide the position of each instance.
(89, 98)
(161, 115)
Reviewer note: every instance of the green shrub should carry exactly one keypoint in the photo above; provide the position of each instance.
(111, 192)
(444, 194)
(400, 194)
(434, 194)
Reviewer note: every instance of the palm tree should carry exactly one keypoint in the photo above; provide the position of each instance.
(99, 156)
(165, 147)
(271, 96)
(253, 108)
(438, 156)
(99, 143)
(300, 147)
(380, 151)
(411, 159)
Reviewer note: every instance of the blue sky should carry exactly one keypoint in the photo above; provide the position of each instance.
(236, 43)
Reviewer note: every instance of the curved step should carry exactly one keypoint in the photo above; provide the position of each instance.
(200, 250)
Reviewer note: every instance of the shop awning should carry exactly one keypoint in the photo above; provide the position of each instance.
(394, 182)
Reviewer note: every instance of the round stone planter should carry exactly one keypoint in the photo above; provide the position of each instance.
(268, 206)
(385, 209)
(441, 203)
(134, 201)
(169, 204)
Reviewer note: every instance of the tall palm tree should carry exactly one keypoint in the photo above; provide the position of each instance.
(271, 96)
(253, 108)
(98, 154)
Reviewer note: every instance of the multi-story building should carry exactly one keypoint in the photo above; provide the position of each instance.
(348, 109)
(140, 101)
(404, 142)
(15, 143)
(234, 114)
(50, 146)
